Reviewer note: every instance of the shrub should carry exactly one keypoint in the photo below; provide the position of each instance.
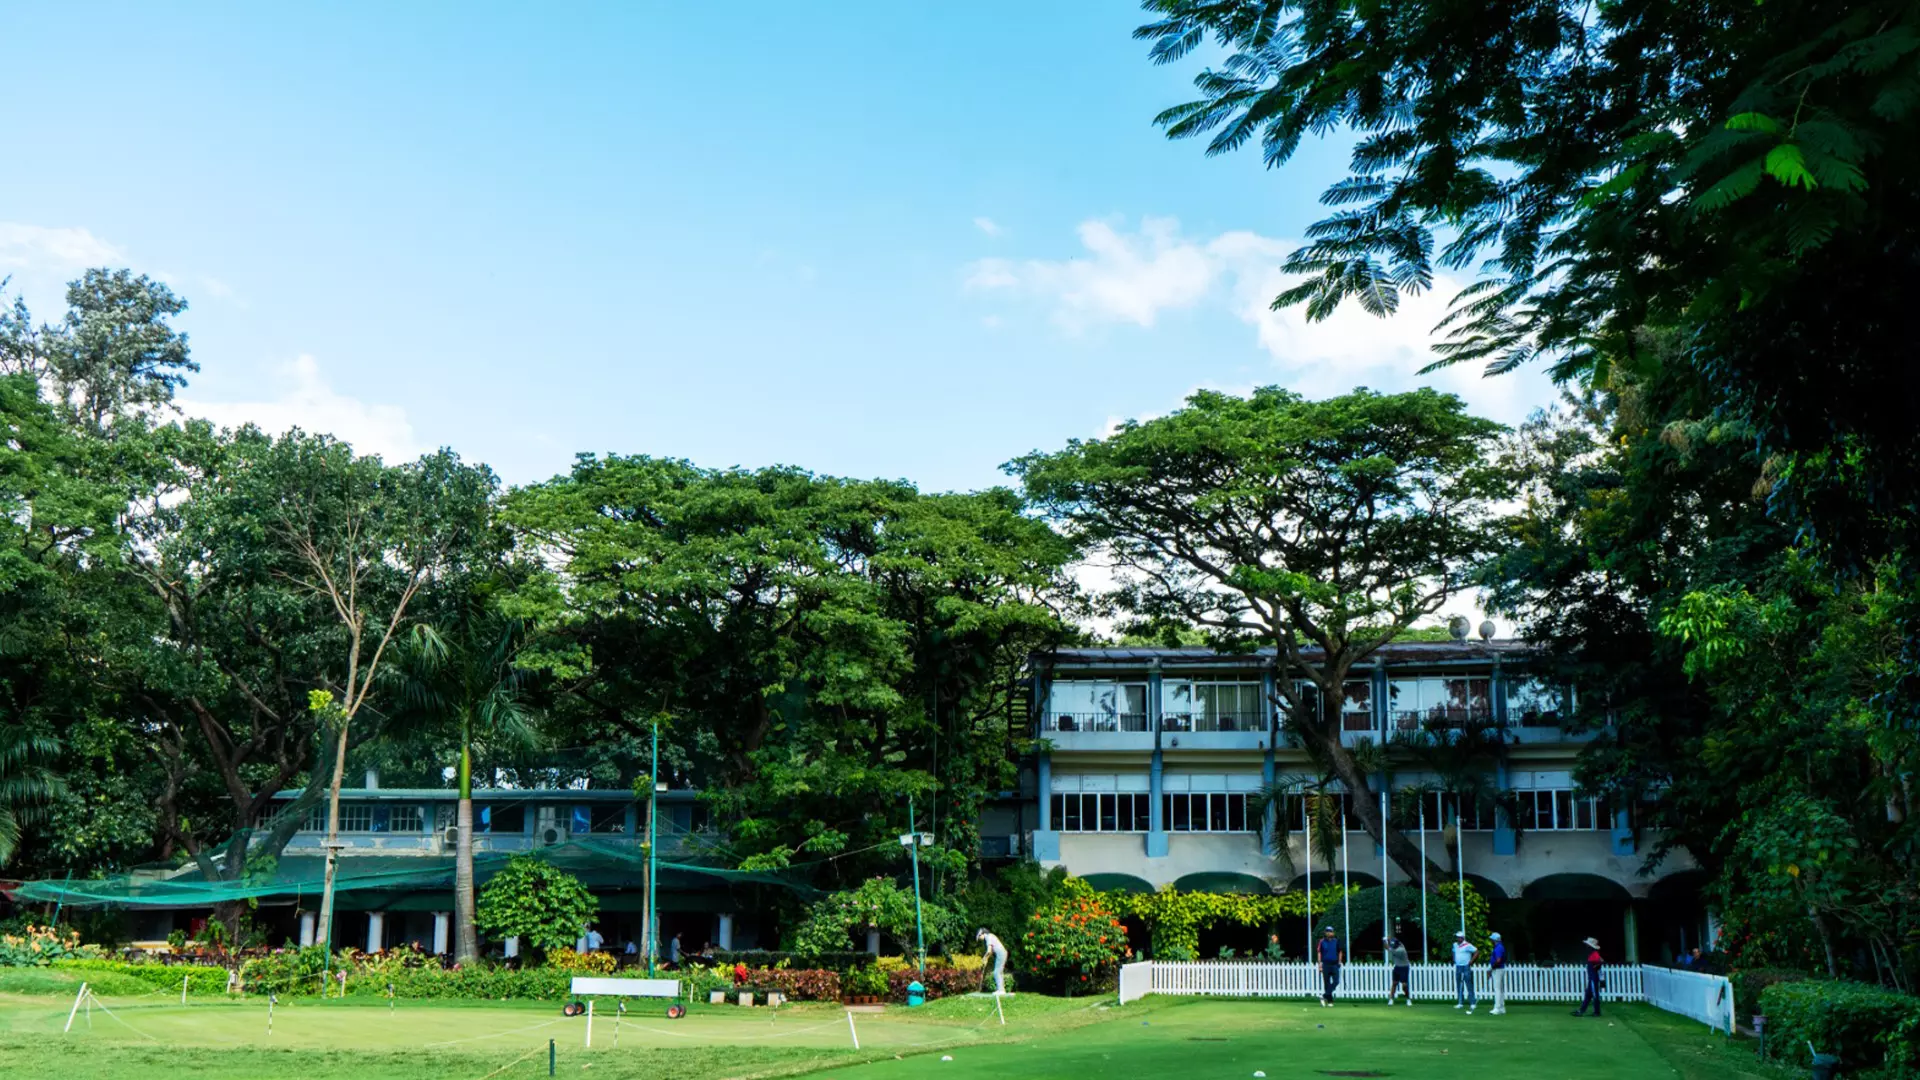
(799, 984)
(201, 978)
(36, 946)
(1075, 941)
(704, 979)
(537, 902)
(582, 963)
(938, 982)
(864, 982)
(833, 960)
(293, 972)
(1866, 1027)
(1750, 984)
(298, 973)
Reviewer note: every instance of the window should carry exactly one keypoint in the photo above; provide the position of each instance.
(400, 819)
(1357, 714)
(354, 817)
(1081, 705)
(1561, 810)
(501, 819)
(1438, 809)
(1212, 706)
(1533, 703)
(610, 819)
(1102, 812)
(1211, 811)
(1440, 701)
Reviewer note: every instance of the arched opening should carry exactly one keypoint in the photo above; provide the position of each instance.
(1224, 882)
(1564, 909)
(1124, 883)
(1673, 918)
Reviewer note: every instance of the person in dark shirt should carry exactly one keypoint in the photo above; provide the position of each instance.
(1331, 956)
(1594, 982)
(1497, 973)
(1402, 971)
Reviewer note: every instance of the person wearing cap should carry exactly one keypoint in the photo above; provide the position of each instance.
(1594, 982)
(1331, 957)
(1497, 975)
(1463, 951)
(1402, 971)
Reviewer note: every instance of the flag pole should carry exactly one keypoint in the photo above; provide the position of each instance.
(1306, 817)
(1426, 941)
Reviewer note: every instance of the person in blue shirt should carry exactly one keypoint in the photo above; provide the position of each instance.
(1331, 956)
(1497, 968)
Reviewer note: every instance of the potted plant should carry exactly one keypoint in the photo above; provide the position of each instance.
(863, 986)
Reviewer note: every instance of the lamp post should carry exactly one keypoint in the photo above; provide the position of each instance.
(653, 854)
(913, 840)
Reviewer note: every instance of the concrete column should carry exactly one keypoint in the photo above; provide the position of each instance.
(376, 931)
(442, 932)
(1156, 826)
(1631, 926)
(1622, 833)
(512, 947)
(873, 940)
(1712, 944)
(1046, 842)
(308, 921)
(724, 939)
(1505, 839)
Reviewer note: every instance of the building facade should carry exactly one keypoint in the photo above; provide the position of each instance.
(1153, 762)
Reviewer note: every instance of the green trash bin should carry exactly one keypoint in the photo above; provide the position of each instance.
(916, 994)
(1824, 1066)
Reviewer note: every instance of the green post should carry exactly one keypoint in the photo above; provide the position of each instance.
(550, 1061)
(653, 854)
(919, 931)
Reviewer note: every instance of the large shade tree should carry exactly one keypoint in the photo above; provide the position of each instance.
(1321, 529)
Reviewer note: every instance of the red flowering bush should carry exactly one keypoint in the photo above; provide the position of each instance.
(799, 984)
(1075, 941)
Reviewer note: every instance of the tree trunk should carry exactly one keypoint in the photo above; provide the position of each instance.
(466, 948)
(1365, 800)
(1826, 942)
(333, 836)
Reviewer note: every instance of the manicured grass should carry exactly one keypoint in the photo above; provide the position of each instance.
(152, 1035)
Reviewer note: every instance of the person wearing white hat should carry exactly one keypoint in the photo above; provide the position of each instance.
(1594, 982)
(1497, 975)
(1463, 951)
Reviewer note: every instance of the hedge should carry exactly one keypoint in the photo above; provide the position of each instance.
(1866, 1027)
(1749, 984)
(202, 979)
(768, 958)
(298, 973)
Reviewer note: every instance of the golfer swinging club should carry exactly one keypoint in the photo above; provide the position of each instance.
(997, 952)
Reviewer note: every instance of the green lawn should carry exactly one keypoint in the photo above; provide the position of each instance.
(153, 1035)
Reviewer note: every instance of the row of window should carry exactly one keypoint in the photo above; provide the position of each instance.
(1130, 812)
(505, 818)
(1546, 810)
(1437, 701)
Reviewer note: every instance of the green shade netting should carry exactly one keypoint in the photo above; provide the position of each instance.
(602, 864)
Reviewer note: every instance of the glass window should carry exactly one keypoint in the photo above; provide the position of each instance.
(1109, 814)
(613, 818)
(1084, 705)
(354, 817)
(1070, 821)
(502, 819)
(1177, 711)
(580, 820)
(406, 819)
(1357, 714)
(1533, 703)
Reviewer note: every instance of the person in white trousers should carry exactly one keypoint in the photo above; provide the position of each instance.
(1497, 968)
(996, 952)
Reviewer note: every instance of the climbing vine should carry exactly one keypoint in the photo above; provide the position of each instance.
(1174, 919)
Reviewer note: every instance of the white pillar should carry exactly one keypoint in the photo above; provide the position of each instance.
(376, 931)
(513, 947)
(873, 940)
(726, 931)
(307, 922)
(442, 931)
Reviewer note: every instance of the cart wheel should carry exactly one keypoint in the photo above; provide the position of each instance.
(675, 1012)
(572, 1008)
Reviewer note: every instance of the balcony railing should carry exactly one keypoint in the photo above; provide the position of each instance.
(1094, 721)
(1226, 721)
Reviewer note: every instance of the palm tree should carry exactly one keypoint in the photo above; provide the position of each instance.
(458, 680)
(26, 784)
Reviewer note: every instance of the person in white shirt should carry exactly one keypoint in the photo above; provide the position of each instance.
(997, 952)
(1463, 951)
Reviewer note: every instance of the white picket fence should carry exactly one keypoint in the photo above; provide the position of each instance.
(1706, 998)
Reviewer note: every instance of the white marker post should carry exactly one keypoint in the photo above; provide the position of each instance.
(851, 1030)
(998, 1009)
(589, 1021)
(75, 1011)
(272, 1000)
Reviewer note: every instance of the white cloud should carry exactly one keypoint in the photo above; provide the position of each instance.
(1132, 277)
(39, 248)
(988, 225)
(312, 404)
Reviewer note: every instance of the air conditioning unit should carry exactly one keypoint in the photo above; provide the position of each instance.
(450, 836)
(548, 828)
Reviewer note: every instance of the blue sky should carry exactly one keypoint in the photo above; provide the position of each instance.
(879, 239)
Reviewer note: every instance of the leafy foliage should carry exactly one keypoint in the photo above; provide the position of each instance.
(1865, 1026)
(537, 902)
(1074, 941)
